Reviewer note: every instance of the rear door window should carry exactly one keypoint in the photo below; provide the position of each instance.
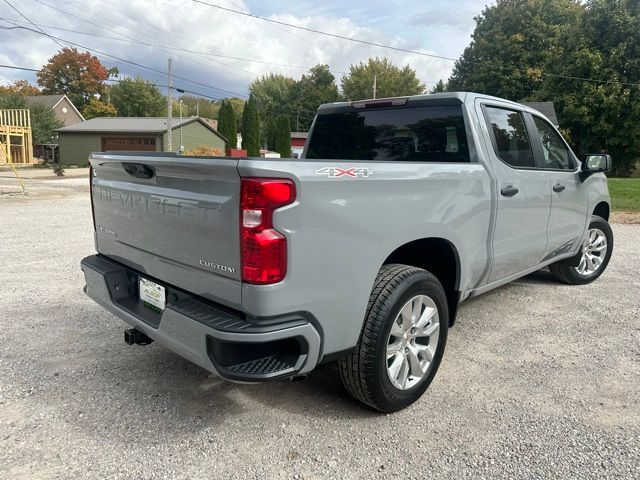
(555, 151)
(511, 140)
(414, 134)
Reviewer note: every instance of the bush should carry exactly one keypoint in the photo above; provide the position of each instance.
(204, 151)
(58, 170)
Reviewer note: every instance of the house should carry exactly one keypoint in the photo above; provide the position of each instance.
(298, 139)
(134, 134)
(63, 108)
(547, 109)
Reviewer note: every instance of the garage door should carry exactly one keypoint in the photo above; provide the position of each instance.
(143, 144)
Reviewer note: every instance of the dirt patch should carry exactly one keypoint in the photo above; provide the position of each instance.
(625, 217)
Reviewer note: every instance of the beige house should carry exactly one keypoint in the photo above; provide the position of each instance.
(63, 108)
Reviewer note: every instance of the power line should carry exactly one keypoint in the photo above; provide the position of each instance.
(140, 41)
(27, 19)
(302, 112)
(334, 35)
(135, 64)
(91, 34)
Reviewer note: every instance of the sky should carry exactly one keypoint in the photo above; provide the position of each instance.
(148, 32)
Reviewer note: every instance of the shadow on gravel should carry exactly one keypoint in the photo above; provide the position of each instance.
(155, 389)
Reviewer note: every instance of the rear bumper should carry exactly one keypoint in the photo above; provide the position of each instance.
(222, 341)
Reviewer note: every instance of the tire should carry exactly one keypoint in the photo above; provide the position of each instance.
(366, 373)
(571, 274)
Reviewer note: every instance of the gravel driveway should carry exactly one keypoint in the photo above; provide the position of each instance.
(540, 380)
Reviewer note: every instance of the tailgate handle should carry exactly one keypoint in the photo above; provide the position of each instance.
(139, 170)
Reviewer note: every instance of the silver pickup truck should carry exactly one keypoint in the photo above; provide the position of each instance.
(359, 252)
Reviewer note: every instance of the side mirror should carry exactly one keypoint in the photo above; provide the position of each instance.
(595, 163)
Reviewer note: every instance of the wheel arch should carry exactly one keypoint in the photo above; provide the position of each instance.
(602, 210)
(440, 257)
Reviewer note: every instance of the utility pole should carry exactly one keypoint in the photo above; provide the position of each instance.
(375, 85)
(297, 123)
(197, 108)
(170, 107)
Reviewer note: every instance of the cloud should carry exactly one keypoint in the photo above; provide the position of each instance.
(199, 28)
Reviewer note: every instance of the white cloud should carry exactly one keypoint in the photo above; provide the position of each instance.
(194, 26)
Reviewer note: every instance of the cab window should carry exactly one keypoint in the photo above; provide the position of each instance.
(510, 134)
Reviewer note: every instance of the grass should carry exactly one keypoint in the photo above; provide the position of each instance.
(625, 194)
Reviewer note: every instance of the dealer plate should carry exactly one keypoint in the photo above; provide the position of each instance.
(152, 294)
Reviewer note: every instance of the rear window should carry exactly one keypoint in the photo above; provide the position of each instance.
(419, 134)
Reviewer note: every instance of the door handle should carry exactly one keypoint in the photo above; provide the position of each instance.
(509, 191)
(558, 188)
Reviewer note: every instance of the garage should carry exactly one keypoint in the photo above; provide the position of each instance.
(134, 134)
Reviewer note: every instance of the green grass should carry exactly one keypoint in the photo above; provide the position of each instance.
(625, 194)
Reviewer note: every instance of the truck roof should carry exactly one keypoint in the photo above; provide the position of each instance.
(442, 98)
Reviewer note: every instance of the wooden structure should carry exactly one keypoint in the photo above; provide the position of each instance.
(16, 144)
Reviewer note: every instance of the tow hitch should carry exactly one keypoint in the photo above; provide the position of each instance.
(136, 337)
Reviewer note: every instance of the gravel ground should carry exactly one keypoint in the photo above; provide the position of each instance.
(539, 380)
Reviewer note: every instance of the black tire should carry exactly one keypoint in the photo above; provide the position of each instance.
(567, 273)
(364, 371)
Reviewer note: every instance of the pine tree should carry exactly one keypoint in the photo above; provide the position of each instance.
(283, 136)
(271, 135)
(227, 124)
(251, 128)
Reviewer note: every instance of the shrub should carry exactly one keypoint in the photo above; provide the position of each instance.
(58, 170)
(204, 151)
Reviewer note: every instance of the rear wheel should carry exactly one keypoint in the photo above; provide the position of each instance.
(402, 340)
(594, 255)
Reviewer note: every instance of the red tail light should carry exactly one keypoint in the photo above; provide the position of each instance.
(264, 249)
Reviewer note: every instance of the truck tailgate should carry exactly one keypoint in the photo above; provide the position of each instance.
(174, 218)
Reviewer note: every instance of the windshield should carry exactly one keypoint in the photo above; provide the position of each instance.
(419, 134)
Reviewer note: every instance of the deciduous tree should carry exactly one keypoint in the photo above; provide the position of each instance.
(511, 42)
(391, 80)
(135, 97)
(21, 87)
(98, 108)
(79, 75)
(312, 90)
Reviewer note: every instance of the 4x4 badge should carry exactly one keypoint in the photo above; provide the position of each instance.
(335, 172)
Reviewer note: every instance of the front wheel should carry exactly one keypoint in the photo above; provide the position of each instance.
(595, 254)
(402, 340)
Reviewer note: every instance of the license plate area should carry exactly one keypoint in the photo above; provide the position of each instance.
(152, 295)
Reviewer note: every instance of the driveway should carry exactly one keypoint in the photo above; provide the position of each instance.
(540, 380)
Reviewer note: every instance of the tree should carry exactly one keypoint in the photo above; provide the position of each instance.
(21, 87)
(391, 81)
(439, 87)
(43, 121)
(311, 91)
(78, 75)
(283, 136)
(273, 96)
(511, 43)
(192, 106)
(251, 128)
(97, 108)
(272, 133)
(135, 97)
(227, 124)
(603, 113)
(44, 124)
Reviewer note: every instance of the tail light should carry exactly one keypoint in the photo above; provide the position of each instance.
(264, 249)
(93, 213)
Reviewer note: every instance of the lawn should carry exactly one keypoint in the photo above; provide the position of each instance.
(625, 194)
